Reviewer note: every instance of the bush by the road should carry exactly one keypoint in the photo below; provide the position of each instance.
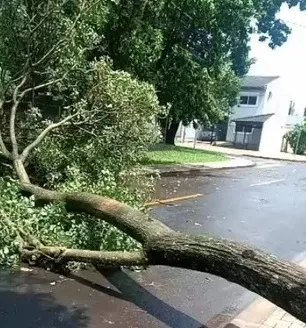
(297, 139)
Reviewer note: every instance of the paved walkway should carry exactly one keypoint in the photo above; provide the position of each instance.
(264, 314)
(243, 152)
(280, 319)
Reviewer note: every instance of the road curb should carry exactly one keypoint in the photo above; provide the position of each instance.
(275, 158)
(193, 170)
(258, 311)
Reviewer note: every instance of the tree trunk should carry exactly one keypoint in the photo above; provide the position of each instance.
(281, 282)
(171, 133)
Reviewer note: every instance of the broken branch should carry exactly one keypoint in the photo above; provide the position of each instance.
(102, 258)
(16, 101)
(3, 148)
(43, 134)
(134, 223)
(41, 86)
(281, 282)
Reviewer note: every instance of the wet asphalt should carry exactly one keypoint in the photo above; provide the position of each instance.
(263, 206)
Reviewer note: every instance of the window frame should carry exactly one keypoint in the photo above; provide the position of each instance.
(248, 95)
(243, 127)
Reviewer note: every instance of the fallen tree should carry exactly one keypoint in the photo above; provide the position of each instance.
(281, 282)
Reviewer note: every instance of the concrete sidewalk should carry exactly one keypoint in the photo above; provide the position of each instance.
(243, 152)
(263, 314)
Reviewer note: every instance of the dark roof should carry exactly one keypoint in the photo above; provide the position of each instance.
(257, 81)
(255, 118)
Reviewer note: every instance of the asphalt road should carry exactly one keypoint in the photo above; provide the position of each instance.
(262, 206)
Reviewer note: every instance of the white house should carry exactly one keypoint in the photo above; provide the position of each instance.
(266, 111)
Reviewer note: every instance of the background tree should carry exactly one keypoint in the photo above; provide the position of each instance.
(190, 49)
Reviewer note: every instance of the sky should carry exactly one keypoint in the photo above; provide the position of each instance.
(289, 60)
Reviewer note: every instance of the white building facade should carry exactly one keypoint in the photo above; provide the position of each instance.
(266, 112)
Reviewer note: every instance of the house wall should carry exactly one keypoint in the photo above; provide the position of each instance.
(230, 134)
(245, 111)
(276, 103)
(281, 123)
(274, 100)
(271, 137)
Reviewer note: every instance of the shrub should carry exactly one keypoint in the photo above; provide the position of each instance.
(297, 139)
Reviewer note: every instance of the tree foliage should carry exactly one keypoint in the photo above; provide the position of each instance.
(89, 134)
(190, 50)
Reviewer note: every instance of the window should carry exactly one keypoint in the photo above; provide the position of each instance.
(248, 128)
(242, 127)
(248, 100)
(239, 128)
(244, 100)
(252, 101)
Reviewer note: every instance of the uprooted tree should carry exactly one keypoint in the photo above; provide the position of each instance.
(95, 98)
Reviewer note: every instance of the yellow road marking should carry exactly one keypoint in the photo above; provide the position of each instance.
(171, 200)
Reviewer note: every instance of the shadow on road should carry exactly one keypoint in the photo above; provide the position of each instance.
(23, 306)
(132, 291)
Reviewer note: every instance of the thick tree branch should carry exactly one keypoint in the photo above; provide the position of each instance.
(101, 258)
(136, 224)
(281, 282)
(3, 148)
(43, 134)
(21, 171)
(41, 86)
(16, 101)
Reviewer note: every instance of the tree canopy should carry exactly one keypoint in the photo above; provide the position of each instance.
(193, 52)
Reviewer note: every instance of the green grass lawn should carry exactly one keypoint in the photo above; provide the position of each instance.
(167, 154)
